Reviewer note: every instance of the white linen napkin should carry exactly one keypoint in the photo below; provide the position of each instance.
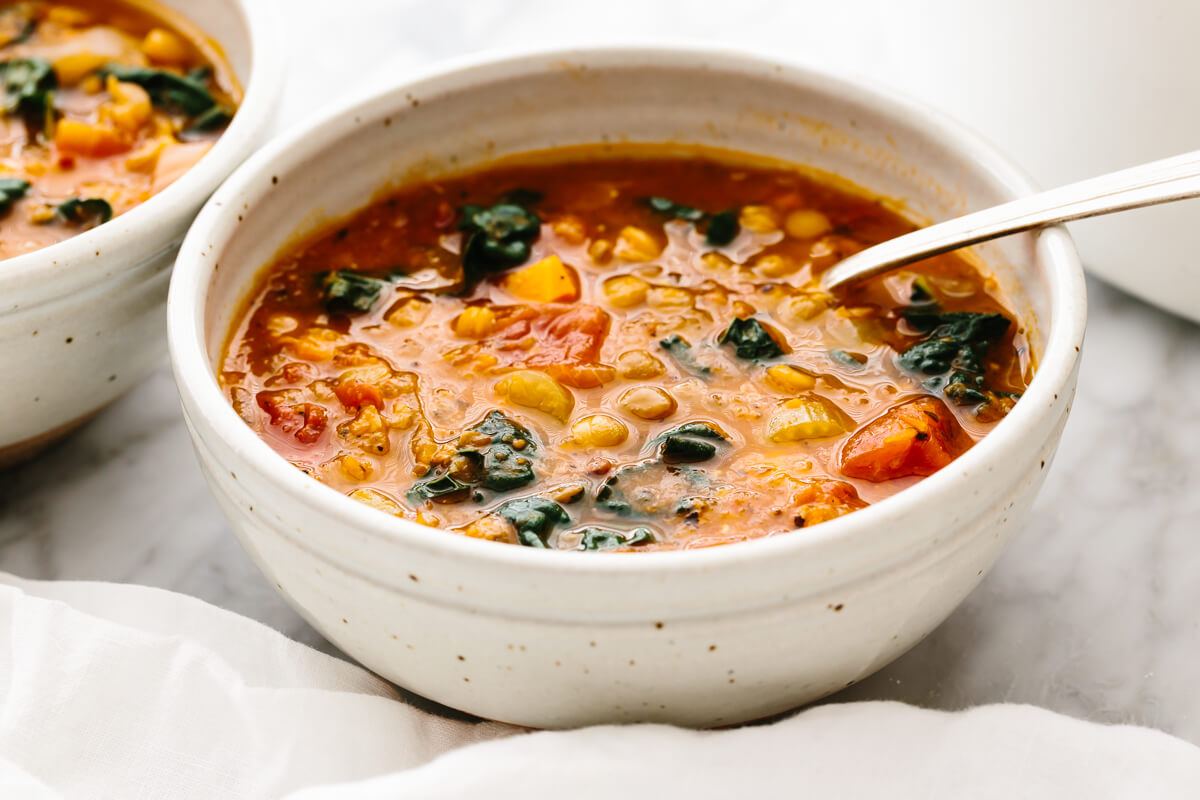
(127, 692)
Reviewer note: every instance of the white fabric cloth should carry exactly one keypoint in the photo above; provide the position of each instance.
(113, 691)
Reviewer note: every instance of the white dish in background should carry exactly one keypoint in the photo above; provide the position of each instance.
(1088, 88)
(556, 639)
(81, 321)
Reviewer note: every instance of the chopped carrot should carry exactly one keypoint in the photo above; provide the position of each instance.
(917, 437)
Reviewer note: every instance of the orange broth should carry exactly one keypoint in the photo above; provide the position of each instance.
(601, 349)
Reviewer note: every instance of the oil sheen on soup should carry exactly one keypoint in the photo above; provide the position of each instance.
(106, 103)
(619, 349)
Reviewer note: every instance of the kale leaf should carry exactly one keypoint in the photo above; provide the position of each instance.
(11, 190)
(436, 488)
(689, 443)
(665, 206)
(348, 292)
(647, 488)
(169, 90)
(505, 466)
(722, 228)
(496, 238)
(534, 518)
(681, 351)
(955, 339)
(604, 539)
(88, 211)
(503, 463)
(921, 293)
(214, 119)
(28, 86)
(954, 346)
(750, 340)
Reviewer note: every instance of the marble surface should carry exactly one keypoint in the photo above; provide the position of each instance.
(1092, 611)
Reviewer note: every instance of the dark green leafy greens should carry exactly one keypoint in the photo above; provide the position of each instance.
(953, 350)
(664, 205)
(168, 90)
(681, 351)
(722, 228)
(604, 539)
(534, 518)
(28, 86)
(183, 94)
(348, 292)
(497, 238)
(503, 463)
(750, 340)
(689, 443)
(214, 119)
(921, 293)
(440, 487)
(87, 211)
(11, 190)
(649, 489)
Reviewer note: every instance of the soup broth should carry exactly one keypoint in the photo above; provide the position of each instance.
(597, 349)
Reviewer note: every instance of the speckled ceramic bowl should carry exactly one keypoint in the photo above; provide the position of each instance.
(81, 321)
(554, 639)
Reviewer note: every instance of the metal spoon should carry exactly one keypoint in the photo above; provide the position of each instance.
(1165, 181)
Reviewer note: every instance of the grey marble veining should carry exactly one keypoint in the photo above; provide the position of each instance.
(1093, 610)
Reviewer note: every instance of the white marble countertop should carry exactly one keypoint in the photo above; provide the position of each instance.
(1092, 611)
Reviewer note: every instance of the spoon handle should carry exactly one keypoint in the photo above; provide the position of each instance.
(1175, 178)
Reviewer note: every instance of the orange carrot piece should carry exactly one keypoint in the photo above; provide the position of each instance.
(917, 437)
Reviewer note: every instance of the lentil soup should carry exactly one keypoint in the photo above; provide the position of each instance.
(619, 348)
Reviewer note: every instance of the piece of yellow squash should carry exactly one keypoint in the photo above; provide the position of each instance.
(545, 281)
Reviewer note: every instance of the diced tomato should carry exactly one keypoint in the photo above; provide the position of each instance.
(917, 437)
(356, 394)
(305, 421)
(576, 334)
(562, 341)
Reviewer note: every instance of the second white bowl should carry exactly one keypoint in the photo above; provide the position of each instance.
(81, 321)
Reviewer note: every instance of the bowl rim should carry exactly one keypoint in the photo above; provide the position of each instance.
(77, 261)
(199, 254)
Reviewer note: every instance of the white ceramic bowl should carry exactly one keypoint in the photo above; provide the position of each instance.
(554, 639)
(81, 321)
